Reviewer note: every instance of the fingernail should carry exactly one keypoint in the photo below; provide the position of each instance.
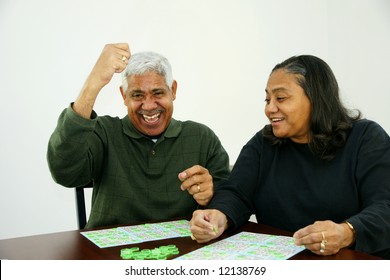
(183, 175)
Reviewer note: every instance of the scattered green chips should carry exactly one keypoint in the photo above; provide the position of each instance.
(159, 253)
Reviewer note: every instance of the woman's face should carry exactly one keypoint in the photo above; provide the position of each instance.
(287, 107)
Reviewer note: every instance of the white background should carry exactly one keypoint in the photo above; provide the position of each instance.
(194, 269)
(222, 52)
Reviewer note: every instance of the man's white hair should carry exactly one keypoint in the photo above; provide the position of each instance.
(144, 62)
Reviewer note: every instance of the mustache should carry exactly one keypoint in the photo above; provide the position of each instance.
(150, 112)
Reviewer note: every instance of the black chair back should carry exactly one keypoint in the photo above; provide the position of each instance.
(80, 205)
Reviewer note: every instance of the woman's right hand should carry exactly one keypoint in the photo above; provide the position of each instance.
(207, 225)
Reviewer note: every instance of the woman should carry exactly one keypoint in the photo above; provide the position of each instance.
(317, 169)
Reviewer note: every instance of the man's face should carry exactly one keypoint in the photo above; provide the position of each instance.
(149, 102)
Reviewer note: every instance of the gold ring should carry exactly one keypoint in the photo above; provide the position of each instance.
(124, 58)
(323, 242)
(193, 237)
(198, 188)
(323, 238)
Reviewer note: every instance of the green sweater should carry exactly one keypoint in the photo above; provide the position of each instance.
(135, 179)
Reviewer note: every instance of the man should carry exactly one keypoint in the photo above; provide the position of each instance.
(146, 166)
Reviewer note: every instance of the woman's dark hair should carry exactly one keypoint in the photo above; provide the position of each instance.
(330, 121)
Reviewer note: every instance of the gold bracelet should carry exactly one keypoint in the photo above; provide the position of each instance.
(352, 229)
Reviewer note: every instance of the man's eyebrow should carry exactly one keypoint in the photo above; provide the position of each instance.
(158, 89)
(136, 91)
(155, 90)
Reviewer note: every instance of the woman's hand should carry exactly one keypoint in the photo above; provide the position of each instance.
(325, 237)
(207, 225)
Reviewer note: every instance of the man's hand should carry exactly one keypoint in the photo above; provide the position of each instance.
(113, 59)
(199, 183)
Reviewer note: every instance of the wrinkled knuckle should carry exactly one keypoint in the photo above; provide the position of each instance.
(195, 213)
(312, 239)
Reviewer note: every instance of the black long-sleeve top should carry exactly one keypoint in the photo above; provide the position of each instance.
(288, 187)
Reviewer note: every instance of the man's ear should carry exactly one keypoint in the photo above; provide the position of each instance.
(174, 88)
(123, 94)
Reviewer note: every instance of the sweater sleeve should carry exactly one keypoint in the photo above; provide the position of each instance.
(372, 224)
(234, 197)
(69, 149)
(217, 160)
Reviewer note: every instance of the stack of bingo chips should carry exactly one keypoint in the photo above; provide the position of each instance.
(160, 253)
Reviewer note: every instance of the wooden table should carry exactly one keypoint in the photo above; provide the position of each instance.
(71, 245)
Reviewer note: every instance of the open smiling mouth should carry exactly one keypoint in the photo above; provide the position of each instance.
(151, 119)
(275, 120)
